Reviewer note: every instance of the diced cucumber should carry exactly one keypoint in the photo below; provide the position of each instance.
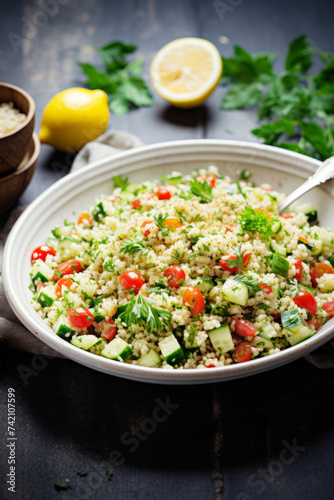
(221, 339)
(63, 328)
(99, 211)
(171, 350)
(235, 292)
(84, 342)
(151, 359)
(117, 349)
(268, 331)
(88, 286)
(99, 346)
(46, 296)
(73, 299)
(173, 180)
(276, 227)
(316, 247)
(303, 333)
(277, 248)
(60, 231)
(262, 341)
(309, 210)
(52, 242)
(87, 258)
(204, 285)
(280, 265)
(319, 233)
(291, 320)
(40, 270)
(65, 243)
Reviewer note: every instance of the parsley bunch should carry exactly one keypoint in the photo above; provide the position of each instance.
(120, 79)
(257, 222)
(132, 246)
(298, 109)
(202, 190)
(141, 310)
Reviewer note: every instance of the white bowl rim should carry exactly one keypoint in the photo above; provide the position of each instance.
(154, 375)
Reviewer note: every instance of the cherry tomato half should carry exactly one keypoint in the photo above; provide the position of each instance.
(193, 297)
(242, 353)
(329, 308)
(243, 327)
(174, 274)
(146, 232)
(307, 300)
(226, 266)
(319, 270)
(135, 203)
(266, 288)
(211, 179)
(63, 282)
(131, 280)
(172, 223)
(66, 268)
(163, 194)
(108, 329)
(42, 252)
(80, 317)
(84, 218)
(299, 269)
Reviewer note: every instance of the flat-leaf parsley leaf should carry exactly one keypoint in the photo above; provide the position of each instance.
(140, 310)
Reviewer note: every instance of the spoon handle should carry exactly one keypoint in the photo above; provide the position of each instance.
(322, 174)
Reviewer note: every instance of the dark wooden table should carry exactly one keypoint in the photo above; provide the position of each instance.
(268, 436)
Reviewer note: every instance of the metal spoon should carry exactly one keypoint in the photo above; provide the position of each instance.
(322, 174)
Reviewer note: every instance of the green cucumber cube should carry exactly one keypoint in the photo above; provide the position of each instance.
(221, 339)
(171, 350)
(117, 349)
(84, 342)
(150, 359)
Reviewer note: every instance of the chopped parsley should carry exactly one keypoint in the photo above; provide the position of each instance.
(257, 222)
(202, 190)
(160, 219)
(132, 246)
(120, 183)
(238, 262)
(140, 310)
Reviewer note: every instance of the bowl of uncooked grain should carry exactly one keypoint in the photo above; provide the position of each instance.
(17, 120)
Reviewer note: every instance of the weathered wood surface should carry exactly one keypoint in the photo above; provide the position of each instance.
(269, 436)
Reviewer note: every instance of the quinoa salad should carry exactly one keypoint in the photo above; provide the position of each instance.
(188, 272)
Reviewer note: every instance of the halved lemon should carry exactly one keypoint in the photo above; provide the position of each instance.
(186, 71)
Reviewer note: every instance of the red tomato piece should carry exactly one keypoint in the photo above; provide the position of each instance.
(80, 317)
(242, 353)
(66, 268)
(306, 300)
(63, 282)
(193, 297)
(174, 274)
(266, 288)
(319, 270)
(135, 203)
(286, 216)
(299, 269)
(131, 280)
(108, 329)
(84, 218)
(40, 286)
(315, 322)
(243, 327)
(226, 266)
(277, 318)
(42, 252)
(211, 179)
(146, 232)
(329, 308)
(163, 194)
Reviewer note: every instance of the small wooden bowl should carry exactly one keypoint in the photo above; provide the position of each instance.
(14, 145)
(12, 186)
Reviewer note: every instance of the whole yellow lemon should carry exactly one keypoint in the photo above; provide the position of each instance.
(74, 117)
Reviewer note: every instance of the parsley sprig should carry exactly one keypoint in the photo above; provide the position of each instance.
(132, 246)
(232, 263)
(257, 222)
(141, 310)
(160, 219)
(202, 190)
(120, 79)
(293, 103)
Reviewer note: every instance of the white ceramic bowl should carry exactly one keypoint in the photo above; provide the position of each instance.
(283, 169)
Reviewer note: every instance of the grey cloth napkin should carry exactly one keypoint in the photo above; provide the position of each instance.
(16, 335)
(12, 332)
